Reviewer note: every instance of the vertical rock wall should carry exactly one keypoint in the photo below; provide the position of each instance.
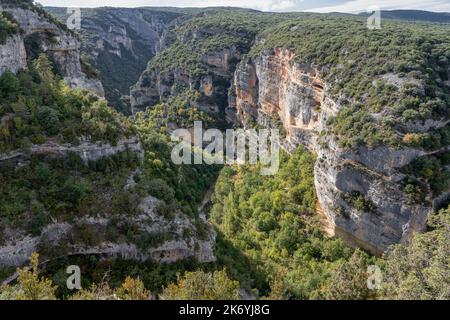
(272, 88)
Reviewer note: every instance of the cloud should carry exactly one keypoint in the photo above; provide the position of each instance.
(356, 6)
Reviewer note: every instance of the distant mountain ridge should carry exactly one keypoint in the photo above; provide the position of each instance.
(415, 15)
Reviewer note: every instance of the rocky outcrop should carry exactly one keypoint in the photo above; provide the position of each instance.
(119, 42)
(180, 234)
(156, 85)
(172, 237)
(273, 89)
(42, 35)
(87, 150)
(13, 56)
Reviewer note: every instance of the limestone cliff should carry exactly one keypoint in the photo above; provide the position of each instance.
(272, 89)
(119, 42)
(63, 237)
(157, 85)
(13, 56)
(201, 57)
(174, 238)
(40, 34)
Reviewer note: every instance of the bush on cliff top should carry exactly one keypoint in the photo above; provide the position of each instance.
(8, 26)
(36, 106)
(382, 78)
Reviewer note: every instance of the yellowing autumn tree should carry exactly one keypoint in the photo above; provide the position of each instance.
(202, 286)
(29, 285)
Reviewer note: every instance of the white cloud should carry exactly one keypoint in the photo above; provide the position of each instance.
(356, 6)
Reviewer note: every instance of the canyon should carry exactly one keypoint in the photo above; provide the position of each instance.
(274, 89)
(302, 102)
(43, 35)
(270, 89)
(40, 33)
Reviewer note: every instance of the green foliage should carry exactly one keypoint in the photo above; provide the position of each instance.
(29, 286)
(9, 85)
(36, 106)
(382, 78)
(114, 272)
(8, 26)
(178, 112)
(433, 140)
(348, 280)
(181, 186)
(202, 286)
(358, 201)
(420, 270)
(269, 237)
(63, 188)
(428, 175)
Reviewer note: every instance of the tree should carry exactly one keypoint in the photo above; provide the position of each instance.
(44, 68)
(421, 270)
(30, 286)
(348, 280)
(133, 289)
(48, 118)
(202, 286)
(9, 85)
(95, 292)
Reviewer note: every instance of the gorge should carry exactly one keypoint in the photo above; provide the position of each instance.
(86, 174)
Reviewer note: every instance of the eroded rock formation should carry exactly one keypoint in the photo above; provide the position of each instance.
(119, 42)
(272, 89)
(42, 35)
(176, 246)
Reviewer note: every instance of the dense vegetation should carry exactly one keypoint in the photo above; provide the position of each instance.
(427, 176)
(8, 26)
(37, 106)
(186, 183)
(384, 78)
(209, 33)
(421, 270)
(270, 244)
(178, 112)
(202, 286)
(196, 285)
(270, 238)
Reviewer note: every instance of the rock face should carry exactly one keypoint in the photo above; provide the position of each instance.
(179, 237)
(13, 56)
(42, 35)
(177, 245)
(156, 85)
(119, 42)
(87, 151)
(272, 89)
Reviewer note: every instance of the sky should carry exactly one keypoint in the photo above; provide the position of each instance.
(350, 6)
